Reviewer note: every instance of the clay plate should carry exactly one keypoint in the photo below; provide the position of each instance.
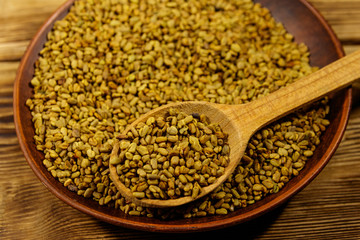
(300, 19)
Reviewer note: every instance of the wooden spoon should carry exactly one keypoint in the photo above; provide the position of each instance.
(242, 121)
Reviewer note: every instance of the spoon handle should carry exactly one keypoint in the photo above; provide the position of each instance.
(330, 78)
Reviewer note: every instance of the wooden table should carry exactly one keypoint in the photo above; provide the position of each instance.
(329, 208)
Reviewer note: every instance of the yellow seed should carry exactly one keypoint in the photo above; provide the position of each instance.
(139, 194)
(235, 47)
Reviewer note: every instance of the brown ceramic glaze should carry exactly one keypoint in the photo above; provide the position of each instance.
(300, 19)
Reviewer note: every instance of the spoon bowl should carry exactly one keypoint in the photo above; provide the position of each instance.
(242, 121)
(215, 114)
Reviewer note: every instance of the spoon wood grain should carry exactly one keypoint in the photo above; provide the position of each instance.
(242, 121)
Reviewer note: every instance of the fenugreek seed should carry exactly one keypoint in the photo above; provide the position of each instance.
(173, 138)
(183, 179)
(201, 214)
(143, 150)
(204, 138)
(295, 156)
(129, 155)
(295, 147)
(325, 122)
(188, 187)
(35, 81)
(258, 187)
(153, 181)
(154, 163)
(308, 153)
(276, 176)
(284, 179)
(220, 195)
(139, 194)
(161, 139)
(274, 162)
(167, 173)
(282, 151)
(195, 190)
(211, 180)
(163, 178)
(274, 155)
(88, 192)
(269, 144)
(114, 160)
(141, 172)
(192, 128)
(194, 141)
(163, 151)
(221, 211)
(303, 143)
(298, 165)
(147, 168)
(128, 46)
(239, 178)
(150, 121)
(132, 147)
(279, 144)
(124, 144)
(134, 132)
(172, 130)
(235, 47)
(85, 163)
(154, 189)
(188, 119)
(284, 171)
(268, 184)
(144, 130)
(68, 182)
(47, 163)
(75, 174)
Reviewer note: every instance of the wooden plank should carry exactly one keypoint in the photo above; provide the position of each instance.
(21, 19)
(349, 48)
(10, 51)
(8, 72)
(343, 16)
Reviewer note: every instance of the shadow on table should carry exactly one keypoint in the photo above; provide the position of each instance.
(249, 230)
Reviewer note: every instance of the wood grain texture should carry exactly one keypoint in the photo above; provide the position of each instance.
(329, 208)
(343, 16)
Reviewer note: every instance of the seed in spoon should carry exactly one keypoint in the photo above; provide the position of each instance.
(172, 156)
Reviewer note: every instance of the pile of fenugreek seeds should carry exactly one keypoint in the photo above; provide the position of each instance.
(172, 156)
(110, 61)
